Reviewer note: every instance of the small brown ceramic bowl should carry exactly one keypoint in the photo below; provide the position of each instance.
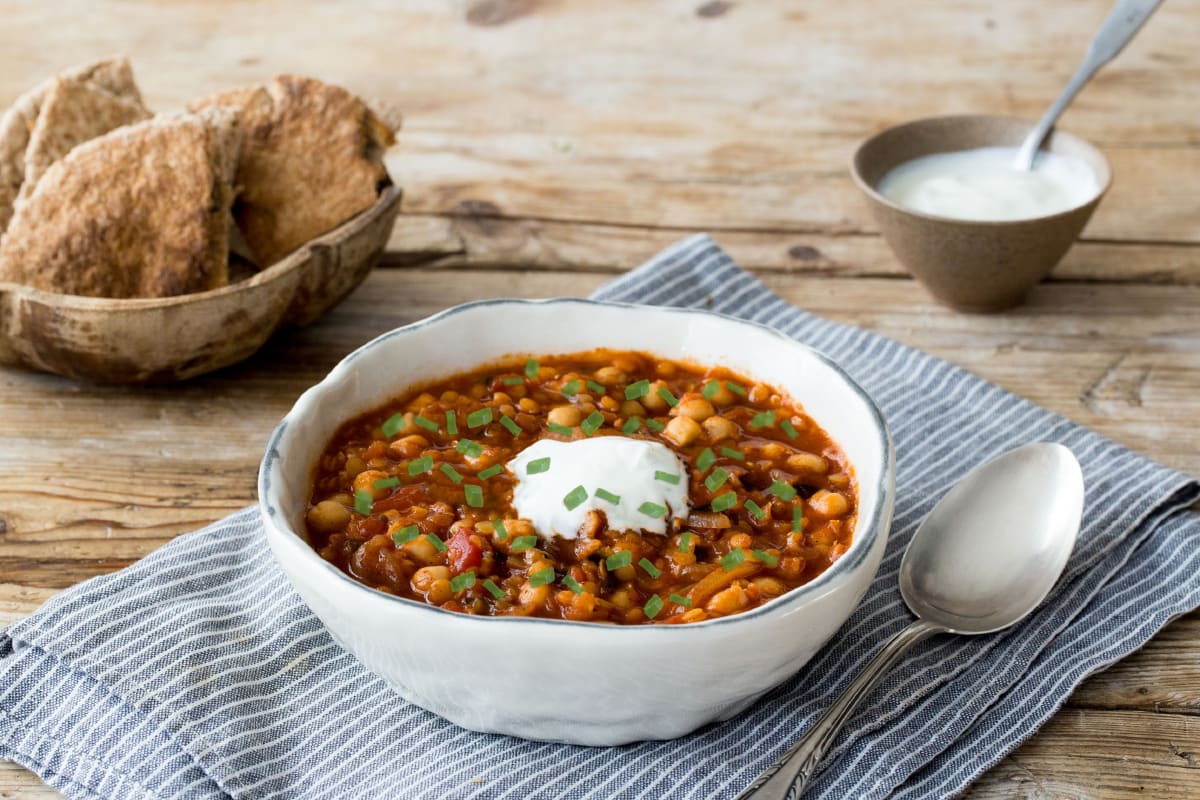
(156, 340)
(972, 265)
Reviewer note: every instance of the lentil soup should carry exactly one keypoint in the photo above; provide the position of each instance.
(606, 486)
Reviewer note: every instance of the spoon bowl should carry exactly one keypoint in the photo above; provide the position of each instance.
(985, 557)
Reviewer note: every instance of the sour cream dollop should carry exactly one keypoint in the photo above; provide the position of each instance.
(633, 470)
(982, 184)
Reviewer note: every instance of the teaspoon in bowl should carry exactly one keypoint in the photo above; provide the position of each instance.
(984, 559)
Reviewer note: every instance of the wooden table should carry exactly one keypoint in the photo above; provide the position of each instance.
(551, 145)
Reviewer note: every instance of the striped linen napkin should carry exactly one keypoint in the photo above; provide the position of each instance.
(199, 673)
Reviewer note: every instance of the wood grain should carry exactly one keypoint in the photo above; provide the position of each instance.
(549, 145)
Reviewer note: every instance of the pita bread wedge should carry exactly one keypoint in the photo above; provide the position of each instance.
(142, 211)
(312, 157)
(72, 113)
(114, 76)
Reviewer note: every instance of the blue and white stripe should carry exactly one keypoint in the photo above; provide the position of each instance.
(198, 673)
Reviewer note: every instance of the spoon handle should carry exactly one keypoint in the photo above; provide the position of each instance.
(1125, 20)
(787, 778)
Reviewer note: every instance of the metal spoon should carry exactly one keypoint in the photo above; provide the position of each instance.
(1125, 20)
(984, 558)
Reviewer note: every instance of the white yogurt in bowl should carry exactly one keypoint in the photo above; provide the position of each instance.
(983, 185)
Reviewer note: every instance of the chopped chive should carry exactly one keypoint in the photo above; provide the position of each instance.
(523, 543)
(420, 465)
(570, 388)
(538, 465)
(716, 479)
(593, 423)
(763, 419)
(787, 427)
(736, 455)
(572, 584)
(605, 494)
(469, 448)
(501, 531)
(427, 424)
(735, 388)
(655, 425)
(512, 380)
(685, 541)
(451, 473)
(710, 389)
(575, 497)
(437, 543)
(766, 558)
(652, 510)
(618, 560)
(494, 590)
(531, 368)
(474, 493)
(783, 491)
(679, 599)
(631, 425)
(666, 477)
(635, 390)
(653, 606)
(561, 430)
(386, 483)
(706, 459)
(451, 423)
(667, 397)
(724, 502)
(597, 388)
(363, 501)
(511, 425)
(756, 510)
(393, 424)
(479, 418)
(464, 580)
(405, 535)
(542, 577)
(731, 559)
(648, 565)
(797, 518)
(490, 472)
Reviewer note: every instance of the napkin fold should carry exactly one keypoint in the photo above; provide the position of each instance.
(198, 672)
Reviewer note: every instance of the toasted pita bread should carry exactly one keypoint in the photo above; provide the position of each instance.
(312, 157)
(73, 112)
(142, 211)
(16, 125)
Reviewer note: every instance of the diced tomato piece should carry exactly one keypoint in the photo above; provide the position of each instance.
(463, 553)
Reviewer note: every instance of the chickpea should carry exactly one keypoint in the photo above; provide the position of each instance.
(791, 567)
(518, 527)
(772, 450)
(528, 405)
(565, 415)
(769, 585)
(728, 601)
(740, 540)
(408, 446)
(808, 462)
(365, 482)
(478, 391)
(609, 404)
(682, 431)
(723, 397)
(632, 408)
(354, 465)
(828, 504)
(449, 397)
(409, 426)
(579, 606)
(759, 394)
(841, 480)
(507, 410)
(500, 398)
(328, 515)
(422, 551)
(439, 592)
(420, 401)
(534, 595)
(718, 428)
(610, 376)
(621, 599)
(694, 615)
(652, 401)
(424, 578)
(694, 406)
(625, 363)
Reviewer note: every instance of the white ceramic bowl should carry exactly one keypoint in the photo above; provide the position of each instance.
(552, 679)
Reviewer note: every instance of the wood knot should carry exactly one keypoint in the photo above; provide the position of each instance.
(713, 8)
(493, 13)
(804, 252)
(476, 208)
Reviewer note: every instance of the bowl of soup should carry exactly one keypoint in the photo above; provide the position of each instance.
(577, 521)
